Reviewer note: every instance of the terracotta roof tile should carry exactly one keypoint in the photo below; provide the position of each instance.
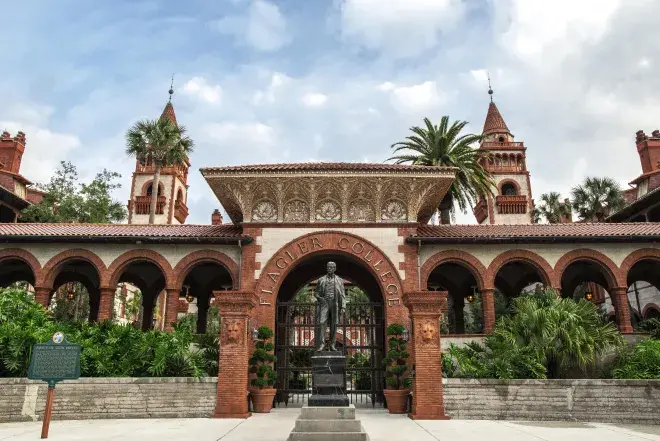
(168, 112)
(494, 122)
(94, 232)
(538, 232)
(334, 166)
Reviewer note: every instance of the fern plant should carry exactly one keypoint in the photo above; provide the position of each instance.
(396, 359)
(262, 359)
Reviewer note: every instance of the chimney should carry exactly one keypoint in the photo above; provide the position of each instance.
(655, 133)
(216, 217)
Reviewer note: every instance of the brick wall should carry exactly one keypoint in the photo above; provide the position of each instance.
(24, 400)
(608, 401)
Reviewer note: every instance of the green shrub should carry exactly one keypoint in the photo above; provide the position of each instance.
(642, 362)
(652, 326)
(262, 359)
(396, 359)
(360, 366)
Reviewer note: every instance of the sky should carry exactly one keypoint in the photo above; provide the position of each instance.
(264, 81)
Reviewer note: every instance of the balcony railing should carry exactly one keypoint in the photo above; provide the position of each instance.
(503, 145)
(180, 211)
(179, 169)
(511, 204)
(143, 204)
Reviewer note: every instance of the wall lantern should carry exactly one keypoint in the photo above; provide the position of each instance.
(189, 297)
(470, 297)
(70, 293)
(589, 295)
(406, 334)
(255, 334)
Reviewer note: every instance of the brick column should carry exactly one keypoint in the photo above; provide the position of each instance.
(488, 309)
(425, 308)
(107, 303)
(235, 342)
(620, 300)
(171, 307)
(42, 296)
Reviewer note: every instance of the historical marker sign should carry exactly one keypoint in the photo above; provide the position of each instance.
(54, 361)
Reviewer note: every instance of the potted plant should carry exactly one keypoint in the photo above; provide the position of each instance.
(262, 391)
(398, 383)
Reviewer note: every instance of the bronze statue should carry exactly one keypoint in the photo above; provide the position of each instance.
(330, 305)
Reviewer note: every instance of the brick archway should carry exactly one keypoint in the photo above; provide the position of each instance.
(52, 267)
(543, 268)
(612, 274)
(328, 243)
(462, 258)
(25, 256)
(193, 259)
(118, 266)
(636, 256)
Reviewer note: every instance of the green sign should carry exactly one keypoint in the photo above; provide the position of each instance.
(55, 360)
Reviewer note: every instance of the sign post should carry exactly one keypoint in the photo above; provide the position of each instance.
(53, 361)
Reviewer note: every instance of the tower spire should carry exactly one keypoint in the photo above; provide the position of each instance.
(490, 89)
(171, 91)
(168, 112)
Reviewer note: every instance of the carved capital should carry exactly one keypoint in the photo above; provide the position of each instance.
(235, 302)
(430, 303)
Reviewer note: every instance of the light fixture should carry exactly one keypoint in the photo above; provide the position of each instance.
(406, 334)
(189, 297)
(255, 334)
(470, 297)
(70, 293)
(589, 295)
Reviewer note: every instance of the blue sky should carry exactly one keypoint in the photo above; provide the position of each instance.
(261, 81)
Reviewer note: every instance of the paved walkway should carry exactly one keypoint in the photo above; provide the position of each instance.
(276, 426)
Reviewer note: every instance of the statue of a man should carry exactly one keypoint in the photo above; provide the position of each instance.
(330, 305)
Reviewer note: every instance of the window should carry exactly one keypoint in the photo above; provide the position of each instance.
(508, 189)
(501, 139)
(642, 188)
(150, 190)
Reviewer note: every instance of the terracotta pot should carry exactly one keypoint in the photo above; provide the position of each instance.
(262, 399)
(397, 400)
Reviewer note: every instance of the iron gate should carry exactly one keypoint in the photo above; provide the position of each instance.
(360, 335)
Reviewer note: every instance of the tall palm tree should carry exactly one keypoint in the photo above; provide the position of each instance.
(445, 146)
(162, 143)
(596, 198)
(552, 208)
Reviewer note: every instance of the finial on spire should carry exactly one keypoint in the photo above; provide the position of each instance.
(171, 91)
(490, 89)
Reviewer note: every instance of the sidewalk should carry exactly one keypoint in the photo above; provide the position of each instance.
(276, 426)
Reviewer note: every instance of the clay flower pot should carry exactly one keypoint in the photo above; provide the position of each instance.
(262, 399)
(397, 400)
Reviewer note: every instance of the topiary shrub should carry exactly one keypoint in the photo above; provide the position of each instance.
(395, 361)
(261, 360)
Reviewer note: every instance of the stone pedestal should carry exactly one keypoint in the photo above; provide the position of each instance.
(328, 424)
(328, 379)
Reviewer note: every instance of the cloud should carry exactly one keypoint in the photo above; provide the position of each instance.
(403, 28)
(262, 26)
(314, 99)
(417, 97)
(278, 82)
(199, 88)
(248, 136)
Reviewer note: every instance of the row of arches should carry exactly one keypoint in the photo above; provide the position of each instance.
(195, 276)
(463, 275)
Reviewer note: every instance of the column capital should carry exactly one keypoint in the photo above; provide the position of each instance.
(425, 302)
(235, 302)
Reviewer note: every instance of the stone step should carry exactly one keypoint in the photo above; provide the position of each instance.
(348, 426)
(328, 413)
(328, 436)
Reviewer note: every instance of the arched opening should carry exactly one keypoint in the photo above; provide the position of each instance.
(150, 189)
(360, 332)
(509, 189)
(148, 281)
(643, 280)
(76, 291)
(501, 139)
(592, 280)
(197, 291)
(17, 272)
(179, 195)
(464, 312)
(514, 278)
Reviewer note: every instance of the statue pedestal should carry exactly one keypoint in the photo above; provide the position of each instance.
(328, 379)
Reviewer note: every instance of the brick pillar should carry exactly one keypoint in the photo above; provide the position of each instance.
(42, 296)
(488, 309)
(425, 308)
(171, 307)
(235, 342)
(107, 304)
(620, 300)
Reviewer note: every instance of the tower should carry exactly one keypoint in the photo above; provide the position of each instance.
(648, 148)
(171, 207)
(506, 161)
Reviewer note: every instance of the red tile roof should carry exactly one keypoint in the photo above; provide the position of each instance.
(168, 112)
(120, 232)
(334, 166)
(573, 232)
(494, 122)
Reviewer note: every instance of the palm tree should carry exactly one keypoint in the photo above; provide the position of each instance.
(162, 143)
(443, 145)
(552, 208)
(597, 198)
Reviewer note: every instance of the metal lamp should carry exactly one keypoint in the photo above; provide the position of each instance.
(406, 334)
(470, 297)
(70, 293)
(189, 297)
(589, 295)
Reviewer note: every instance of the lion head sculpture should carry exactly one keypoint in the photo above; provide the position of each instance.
(428, 331)
(232, 331)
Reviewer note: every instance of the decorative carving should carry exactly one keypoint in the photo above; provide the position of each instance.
(394, 210)
(361, 211)
(328, 210)
(264, 211)
(296, 211)
(427, 332)
(232, 333)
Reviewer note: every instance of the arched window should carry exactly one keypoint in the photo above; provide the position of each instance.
(150, 190)
(508, 189)
(501, 139)
(179, 196)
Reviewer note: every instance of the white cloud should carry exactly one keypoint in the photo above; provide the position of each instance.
(200, 88)
(278, 81)
(417, 97)
(243, 135)
(262, 26)
(314, 99)
(399, 27)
